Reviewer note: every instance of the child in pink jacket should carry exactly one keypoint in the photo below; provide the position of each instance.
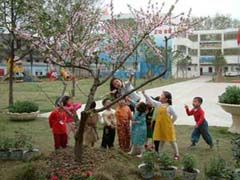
(72, 113)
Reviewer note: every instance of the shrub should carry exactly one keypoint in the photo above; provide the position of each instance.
(6, 143)
(217, 168)
(236, 151)
(165, 161)
(23, 107)
(231, 95)
(33, 171)
(149, 157)
(189, 163)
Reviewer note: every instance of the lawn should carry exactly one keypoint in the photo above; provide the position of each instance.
(31, 91)
(42, 138)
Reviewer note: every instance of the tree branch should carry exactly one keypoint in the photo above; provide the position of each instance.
(138, 87)
(124, 60)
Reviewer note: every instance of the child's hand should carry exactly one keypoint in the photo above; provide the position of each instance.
(186, 106)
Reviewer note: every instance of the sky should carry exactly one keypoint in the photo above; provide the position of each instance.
(199, 7)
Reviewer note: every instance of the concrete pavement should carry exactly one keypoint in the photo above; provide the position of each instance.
(184, 92)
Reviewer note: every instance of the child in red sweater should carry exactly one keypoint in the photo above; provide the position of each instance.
(57, 122)
(201, 127)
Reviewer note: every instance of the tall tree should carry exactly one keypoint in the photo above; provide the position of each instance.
(182, 64)
(219, 21)
(13, 14)
(80, 46)
(219, 63)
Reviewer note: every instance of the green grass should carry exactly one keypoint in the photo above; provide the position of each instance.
(229, 80)
(31, 91)
(42, 137)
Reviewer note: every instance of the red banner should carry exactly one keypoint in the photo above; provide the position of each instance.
(238, 38)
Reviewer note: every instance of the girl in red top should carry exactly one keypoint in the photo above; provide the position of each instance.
(72, 113)
(57, 122)
(201, 127)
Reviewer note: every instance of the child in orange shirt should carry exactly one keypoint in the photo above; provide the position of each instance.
(123, 115)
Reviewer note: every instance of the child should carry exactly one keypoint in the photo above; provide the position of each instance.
(150, 120)
(57, 122)
(164, 130)
(201, 127)
(109, 125)
(90, 131)
(123, 116)
(72, 108)
(139, 129)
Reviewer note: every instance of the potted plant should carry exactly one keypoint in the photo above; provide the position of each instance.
(147, 167)
(167, 170)
(16, 152)
(31, 152)
(230, 102)
(217, 169)
(23, 111)
(189, 167)
(5, 145)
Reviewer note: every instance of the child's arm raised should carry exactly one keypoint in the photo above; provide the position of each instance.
(150, 100)
(189, 113)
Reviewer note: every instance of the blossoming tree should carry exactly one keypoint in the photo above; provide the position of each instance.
(84, 33)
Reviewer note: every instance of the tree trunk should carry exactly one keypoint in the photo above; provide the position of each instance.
(11, 73)
(73, 83)
(78, 148)
(12, 55)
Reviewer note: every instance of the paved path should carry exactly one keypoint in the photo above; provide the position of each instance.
(183, 93)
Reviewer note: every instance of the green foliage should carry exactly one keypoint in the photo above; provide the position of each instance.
(149, 157)
(189, 163)
(231, 95)
(32, 172)
(236, 151)
(219, 61)
(217, 168)
(20, 141)
(6, 143)
(23, 107)
(165, 160)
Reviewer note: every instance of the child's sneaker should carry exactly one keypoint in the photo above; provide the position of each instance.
(192, 145)
(176, 158)
(211, 146)
(139, 156)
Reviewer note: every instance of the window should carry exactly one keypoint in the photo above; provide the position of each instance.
(192, 52)
(225, 69)
(165, 31)
(232, 52)
(183, 49)
(189, 69)
(211, 37)
(209, 52)
(230, 36)
(193, 37)
(41, 73)
(36, 73)
(37, 60)
(210, 70)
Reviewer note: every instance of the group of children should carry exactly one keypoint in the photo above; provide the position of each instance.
(153, 119)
